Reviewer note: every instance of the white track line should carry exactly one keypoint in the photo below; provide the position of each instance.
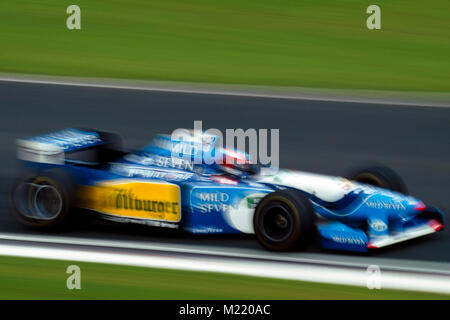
(227, 92)
(215, 251)
(278, 270)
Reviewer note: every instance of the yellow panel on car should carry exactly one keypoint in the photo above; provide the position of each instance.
(134, 199)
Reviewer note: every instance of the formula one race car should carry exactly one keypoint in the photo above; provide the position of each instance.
(173, 183)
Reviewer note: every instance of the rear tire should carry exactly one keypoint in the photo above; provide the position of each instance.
(43, 200)
(379, 176)
(284, 220)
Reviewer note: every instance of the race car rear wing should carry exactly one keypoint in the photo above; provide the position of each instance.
(53, 148)
(39, 152)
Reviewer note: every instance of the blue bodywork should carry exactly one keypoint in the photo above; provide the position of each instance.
(356, 218)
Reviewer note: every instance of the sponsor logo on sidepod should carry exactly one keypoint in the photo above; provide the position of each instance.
(218, 201)
(159, 201)
(126, 200)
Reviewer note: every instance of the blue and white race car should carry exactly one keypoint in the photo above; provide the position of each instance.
(171, 183)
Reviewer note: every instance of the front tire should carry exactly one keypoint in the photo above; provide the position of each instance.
(379, 176)
(284, 220)
(43, 200)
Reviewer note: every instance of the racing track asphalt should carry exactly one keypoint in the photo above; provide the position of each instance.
(319, 136)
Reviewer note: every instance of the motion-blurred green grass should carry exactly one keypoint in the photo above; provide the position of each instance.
(308, 43)
(24, 278)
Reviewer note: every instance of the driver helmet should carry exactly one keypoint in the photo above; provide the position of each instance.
(236, 163)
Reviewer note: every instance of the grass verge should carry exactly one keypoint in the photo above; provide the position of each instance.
(311, 43)
(26, 278)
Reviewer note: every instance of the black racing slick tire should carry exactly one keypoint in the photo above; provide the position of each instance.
(43, 200)
(284, 220)
(379, 176)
